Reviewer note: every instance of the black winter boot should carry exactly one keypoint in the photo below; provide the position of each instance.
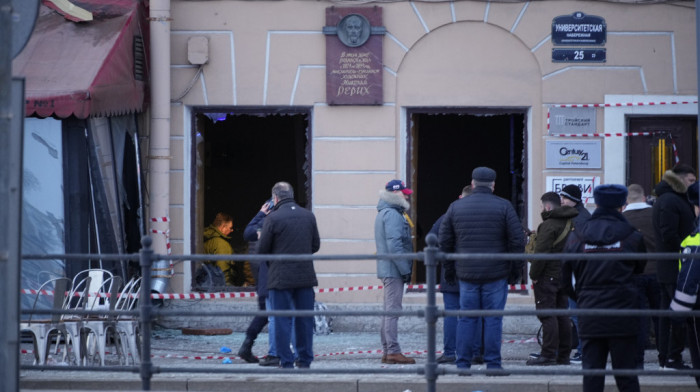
(245, 352)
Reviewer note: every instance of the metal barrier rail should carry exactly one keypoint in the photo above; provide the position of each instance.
(431, 256)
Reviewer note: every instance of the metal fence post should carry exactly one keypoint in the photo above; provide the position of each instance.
(431, 315)
(145, 307)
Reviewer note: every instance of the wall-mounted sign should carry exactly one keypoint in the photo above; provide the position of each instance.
(586, 184)
(578, 55)
(572, 120)
(578, 29)
(573, 154)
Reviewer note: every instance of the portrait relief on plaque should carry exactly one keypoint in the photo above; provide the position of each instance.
(353, 30)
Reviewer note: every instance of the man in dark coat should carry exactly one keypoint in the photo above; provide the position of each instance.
(291, 229)
(638, 214)
(686, 296)
(672, 217)
(481, 223)
(251, 233)
(557, 223)
(606, 284)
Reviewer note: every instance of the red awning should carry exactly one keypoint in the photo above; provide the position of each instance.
(84, 69)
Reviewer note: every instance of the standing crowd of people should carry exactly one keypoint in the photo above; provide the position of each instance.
(478, 222)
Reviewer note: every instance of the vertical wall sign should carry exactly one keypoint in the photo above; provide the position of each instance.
(354, 39)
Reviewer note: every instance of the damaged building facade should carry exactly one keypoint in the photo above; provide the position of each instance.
(338, 98)
(547, 93)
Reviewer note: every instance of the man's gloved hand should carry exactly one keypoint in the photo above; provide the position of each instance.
(515, 277)
(406, 278)
(451, 276)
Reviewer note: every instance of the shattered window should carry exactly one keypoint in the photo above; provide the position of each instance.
(42, 205)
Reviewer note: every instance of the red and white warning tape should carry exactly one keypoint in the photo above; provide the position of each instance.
(619, 134)
(626, 104)
(166, 233)
(251, 294)
(609, 105)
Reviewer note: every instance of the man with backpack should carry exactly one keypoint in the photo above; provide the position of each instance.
(557, 223)
(606, 283)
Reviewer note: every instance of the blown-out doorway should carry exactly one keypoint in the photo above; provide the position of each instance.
(446, 145)
(239, 155)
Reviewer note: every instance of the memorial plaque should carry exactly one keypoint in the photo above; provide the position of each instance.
(354, 56)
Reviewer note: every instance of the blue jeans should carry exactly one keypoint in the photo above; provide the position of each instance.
(481, 296)
(303, 329)
(451, 301)
(574, 319)
(271, 351)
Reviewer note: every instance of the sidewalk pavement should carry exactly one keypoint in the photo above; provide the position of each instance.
(355, 352)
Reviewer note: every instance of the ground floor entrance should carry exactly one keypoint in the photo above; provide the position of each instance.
(240, 154)
(445, 145)
(656, 144)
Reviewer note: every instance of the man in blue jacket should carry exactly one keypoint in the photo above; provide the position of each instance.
(481, 223)
(392, 234)
(291, 229)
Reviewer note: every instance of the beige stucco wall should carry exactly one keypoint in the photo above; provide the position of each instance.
(458, 54)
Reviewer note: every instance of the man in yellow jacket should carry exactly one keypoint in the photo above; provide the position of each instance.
(216, 242)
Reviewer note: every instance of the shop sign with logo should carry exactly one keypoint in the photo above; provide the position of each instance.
(573, 154)
(572, 120)
(586, 184)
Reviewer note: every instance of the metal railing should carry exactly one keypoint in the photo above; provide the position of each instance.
(430, 313)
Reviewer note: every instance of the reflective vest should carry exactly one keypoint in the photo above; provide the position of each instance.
(688, 274)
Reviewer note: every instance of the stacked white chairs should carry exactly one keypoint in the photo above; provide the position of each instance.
(43, 328)
(128, 326)
(99, 330)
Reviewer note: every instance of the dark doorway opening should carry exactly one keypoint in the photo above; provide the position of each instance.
(446, 145)
(241, 154)
(663, 142)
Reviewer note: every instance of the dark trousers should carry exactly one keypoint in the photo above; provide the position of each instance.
(556, 330)
(649, 296)
(694, 343)
(672, 331)
(595, 356)
(258, 322)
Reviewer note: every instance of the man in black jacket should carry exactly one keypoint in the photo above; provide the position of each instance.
(638, 213)
(672, 217)
(481, 223)
(291, 229)
(606, 284)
